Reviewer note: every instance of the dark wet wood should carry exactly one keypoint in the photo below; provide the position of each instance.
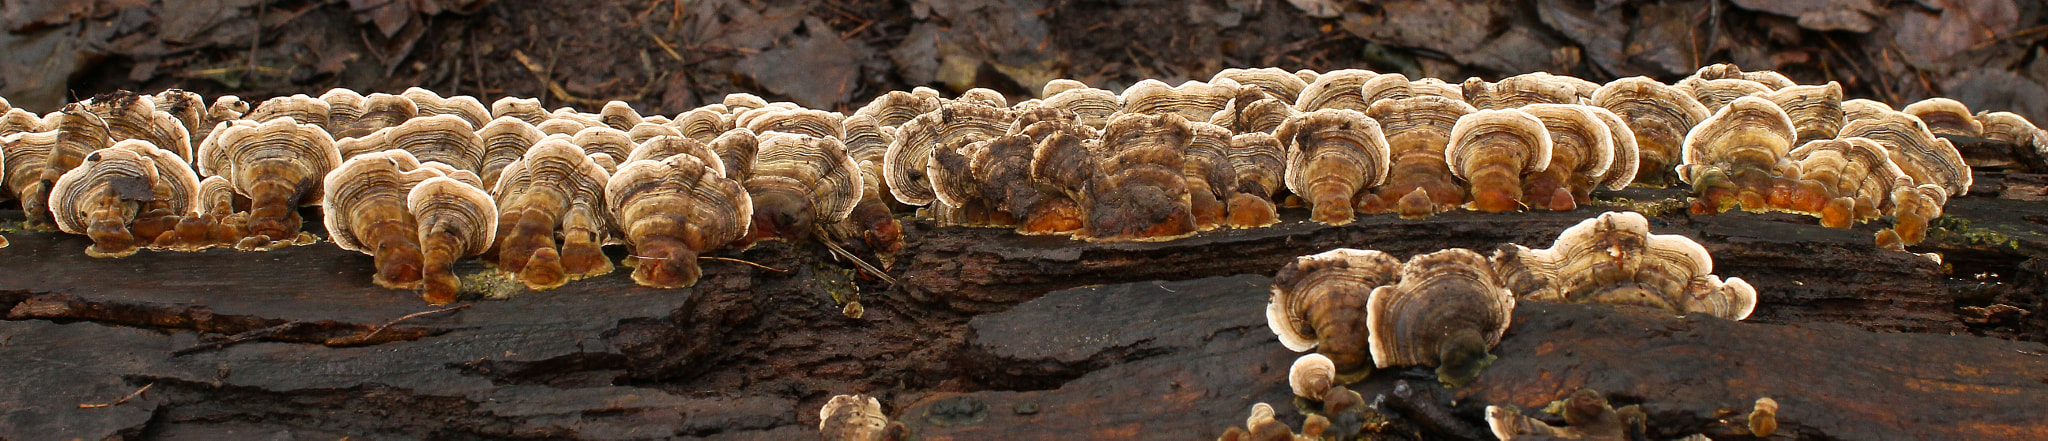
(1831, 382)
(988, 333)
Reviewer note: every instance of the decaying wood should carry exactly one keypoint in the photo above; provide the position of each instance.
(992, 333)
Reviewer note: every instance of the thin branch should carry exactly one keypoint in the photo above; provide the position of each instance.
(354, 340)
(729, 259)
(238, 338)
(123, 400)
(857, 262)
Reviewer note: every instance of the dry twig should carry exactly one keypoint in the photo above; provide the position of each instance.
(359, 339)
(123, 400)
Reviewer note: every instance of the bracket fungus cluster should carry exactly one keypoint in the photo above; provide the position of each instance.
(1614, 259)
(124, 196)
(1152, 162)
(1364, 309)
(1445, 309)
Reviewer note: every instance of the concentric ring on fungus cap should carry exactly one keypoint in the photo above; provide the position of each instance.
(954, 123)
(1492, 150)
(455, 219)
(1136, 184)
(1659, 116)
(555, 190)
(672, 210)
(446, 139)
(1194, 100)
(800, 182)
(366, 212)
(1093, 106)
(1333, 156)
(525, 109)
(1418, 130)
(897, 107)
(24, 154)
(1260, 164)
(380, 111)
(1319, 303)
(1582, 150)
(1816, 111)
(1447, 311)
(299, 107)
(1522, 90)
(1613, 258)
(1929, 160)
(505, 140)
(79, 132)
(1717, 93)
(278, 166)
(132, 116)
(123, 197)
(1337, 89)
(1945, 116)
(466, 107)
(1736, 156)
(1284, 85)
